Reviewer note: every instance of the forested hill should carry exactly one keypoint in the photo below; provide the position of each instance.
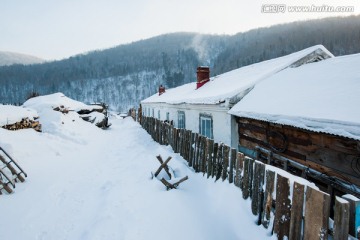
(121, 76)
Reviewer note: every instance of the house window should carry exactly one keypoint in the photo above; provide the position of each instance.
(153, 113)
(159, 114)
(148, 112)
(181, 119)
(206, 126)
(168, 116)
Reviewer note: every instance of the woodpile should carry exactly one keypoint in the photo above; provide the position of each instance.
(23, 124)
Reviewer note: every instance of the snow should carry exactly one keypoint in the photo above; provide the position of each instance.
(341, 200)
(351, 197)
(11, 114)
(86, 183)
(320, 97)
(228, 85)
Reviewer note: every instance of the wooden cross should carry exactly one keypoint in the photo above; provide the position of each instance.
(163, 165)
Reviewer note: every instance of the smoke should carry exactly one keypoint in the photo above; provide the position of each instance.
(200, 46)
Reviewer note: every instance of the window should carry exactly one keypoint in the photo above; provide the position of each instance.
(153, 113)
(181, 119)
(159, 114)
(168, 116)
(206, 126)
(148, 112)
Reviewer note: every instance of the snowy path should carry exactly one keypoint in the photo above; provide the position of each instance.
(92, 184)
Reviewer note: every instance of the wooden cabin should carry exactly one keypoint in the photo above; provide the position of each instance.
(307, 119)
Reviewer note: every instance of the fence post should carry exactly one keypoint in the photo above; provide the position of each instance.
(258, 184)
(214, 160)
(317, 212)
(219, 162)
(232, 165)
(354, 221)
(297, 205)
(246, 183)
(282, 208)
(239, 168)
(209, 156)
(341, 218)
(192, 148)
(225, 162)
(268, 198)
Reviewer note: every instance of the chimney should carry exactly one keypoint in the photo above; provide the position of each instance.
(161, 90)
(203, 76)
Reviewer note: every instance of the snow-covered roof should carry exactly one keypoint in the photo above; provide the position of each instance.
(11, 114)
(234, 84)
(321, 97)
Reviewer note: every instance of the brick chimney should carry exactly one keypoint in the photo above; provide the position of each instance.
(161, 90)
(203, 76)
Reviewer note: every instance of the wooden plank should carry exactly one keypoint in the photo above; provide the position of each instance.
(251, 175)
(196, 152)
(268, 198)
(354, 218)
(203, 155)
(282, 208)
(232, 165)
(225, 162)
(317, 211)
(191, 152)
(258, 184)
(210, 154)
(341, 219)
(219, 162)
(245, 190)
(238, 169)
(214, 160)
(297, 206)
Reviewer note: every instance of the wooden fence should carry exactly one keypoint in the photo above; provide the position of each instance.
(219, 161)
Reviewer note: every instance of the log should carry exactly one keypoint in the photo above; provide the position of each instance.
(163, 165)
(282, 208)
(317, 212)
(297, 205)
(174, 185)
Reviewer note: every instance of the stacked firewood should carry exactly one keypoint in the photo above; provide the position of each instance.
(24, 123)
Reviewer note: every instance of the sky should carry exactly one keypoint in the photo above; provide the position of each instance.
(57, 29)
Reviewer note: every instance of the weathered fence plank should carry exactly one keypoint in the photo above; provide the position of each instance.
(341, 219)
(232, 165)
(246, 183)
(251, 175)
(214, 160)
(219, 161)
(258, 184)
(297, 205)
(317, 211)
(209, 156)
(239, 168)
(282, 208)
(203, 155)
(268, 198)
(354, 221)
(225, 166)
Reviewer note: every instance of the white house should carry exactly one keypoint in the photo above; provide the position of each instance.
(203, 106)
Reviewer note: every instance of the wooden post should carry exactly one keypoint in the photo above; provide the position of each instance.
(239, 168)
(210, 156)
(203, 155)
(232, 165)
(219, 161)
(251, 175)
(341, 219)
(268, 198)
(297, 205)
(245, 190)
(317, 211)
(354, 220)
(282, 208)
(225, 162)
(258, 184)
(196, 149)
(214, 160)
(191, 152)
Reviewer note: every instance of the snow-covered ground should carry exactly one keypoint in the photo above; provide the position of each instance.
(87, 183)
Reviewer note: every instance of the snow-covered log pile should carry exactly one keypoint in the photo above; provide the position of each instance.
(96, 113)
(15, 118)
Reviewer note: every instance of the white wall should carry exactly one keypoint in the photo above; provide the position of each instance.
(224, 126)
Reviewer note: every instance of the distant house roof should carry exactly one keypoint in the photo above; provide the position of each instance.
(321, 97)
(233, 85)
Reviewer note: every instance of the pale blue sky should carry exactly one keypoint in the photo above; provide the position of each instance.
(55, 29)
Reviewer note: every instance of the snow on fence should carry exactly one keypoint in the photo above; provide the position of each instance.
(276, 204)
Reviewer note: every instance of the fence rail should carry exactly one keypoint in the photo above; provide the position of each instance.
(219, 161)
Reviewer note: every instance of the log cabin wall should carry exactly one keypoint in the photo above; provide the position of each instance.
(329, 154)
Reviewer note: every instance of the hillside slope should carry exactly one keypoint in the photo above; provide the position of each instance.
(9, 58)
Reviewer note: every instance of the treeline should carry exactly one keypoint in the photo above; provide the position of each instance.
(123, 75)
